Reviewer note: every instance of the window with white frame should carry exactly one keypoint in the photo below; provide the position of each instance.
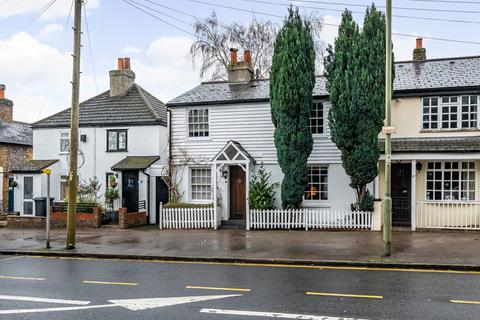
(316, 118)
(317, 188)
(198, 123)
(451, 181)
(65, 142)
(469, 111)
(450, 113)
(201, 184)
(430, 113)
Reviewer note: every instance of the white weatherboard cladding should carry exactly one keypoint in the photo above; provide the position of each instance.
(248, 123)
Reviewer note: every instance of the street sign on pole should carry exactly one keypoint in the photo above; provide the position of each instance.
(48, 172)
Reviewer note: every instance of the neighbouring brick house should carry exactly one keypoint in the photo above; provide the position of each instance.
(15, 147)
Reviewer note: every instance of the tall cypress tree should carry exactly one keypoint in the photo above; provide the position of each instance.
(291, 85)
(355, 70)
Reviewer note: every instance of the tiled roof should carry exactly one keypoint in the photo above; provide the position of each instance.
(430, 75)
(138, 107)
(33, 166)
(16, 132)
(440, 144)
(135, 163)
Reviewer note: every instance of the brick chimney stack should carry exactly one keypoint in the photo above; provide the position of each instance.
(121, 79)
(6, 106)
(240, 71)
(419, 53)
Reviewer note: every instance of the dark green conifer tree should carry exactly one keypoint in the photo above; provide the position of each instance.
(291, 85)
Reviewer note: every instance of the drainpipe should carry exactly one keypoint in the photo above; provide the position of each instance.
(169, 122)
(148, 195)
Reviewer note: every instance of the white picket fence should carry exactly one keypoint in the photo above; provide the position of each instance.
(448, 215)
(309, 219)
(187, 218)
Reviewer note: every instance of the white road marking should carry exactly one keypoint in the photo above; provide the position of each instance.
(143, 304)
(22, 278)
(46, 300)
(272, 315)
(40, 310)
(131, 304)
(11, 258)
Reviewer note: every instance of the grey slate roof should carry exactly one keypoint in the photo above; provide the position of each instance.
(33, 166)
(16, 132)
(138, 107)
(135, 163)
(428, 76)
(440, 144)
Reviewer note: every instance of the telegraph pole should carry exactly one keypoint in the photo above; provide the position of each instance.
(388, 130)
(72, 175)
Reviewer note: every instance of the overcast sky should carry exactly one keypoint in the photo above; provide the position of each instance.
(35, 60)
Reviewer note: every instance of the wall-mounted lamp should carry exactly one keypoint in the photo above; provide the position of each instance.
(418, 166)
(225, 174)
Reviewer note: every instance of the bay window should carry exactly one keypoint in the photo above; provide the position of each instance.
(451, 181)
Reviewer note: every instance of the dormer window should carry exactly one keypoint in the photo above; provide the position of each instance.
(450, 113)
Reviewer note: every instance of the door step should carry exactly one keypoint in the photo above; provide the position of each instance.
(232, 224)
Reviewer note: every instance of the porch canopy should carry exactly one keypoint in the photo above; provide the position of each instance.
(231, 154)
(135, 163)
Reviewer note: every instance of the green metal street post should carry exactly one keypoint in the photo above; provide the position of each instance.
(388, 130)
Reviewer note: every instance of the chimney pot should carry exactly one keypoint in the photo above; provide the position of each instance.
(126, 62)
(233, 56)
(120, 64)
(419, 53)
(2, 91)
(419, 43)
(247, 57)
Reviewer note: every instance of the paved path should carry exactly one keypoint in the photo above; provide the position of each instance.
(66, 288)
(453, 248)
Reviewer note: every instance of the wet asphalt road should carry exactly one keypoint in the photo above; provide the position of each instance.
(248, 288)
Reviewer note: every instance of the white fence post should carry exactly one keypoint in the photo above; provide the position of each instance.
(160, 214)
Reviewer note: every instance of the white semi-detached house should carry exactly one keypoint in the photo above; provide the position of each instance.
(122, 132)
(226, 127)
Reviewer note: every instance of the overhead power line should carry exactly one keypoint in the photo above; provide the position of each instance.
(159, 12)
(90, 49)
(329, 24)
(350, 4)
(360, 12)
(42, 10)
(158, 18)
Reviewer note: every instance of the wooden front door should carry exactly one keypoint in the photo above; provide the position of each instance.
(238, 202)
(130, 190)
(401, 194)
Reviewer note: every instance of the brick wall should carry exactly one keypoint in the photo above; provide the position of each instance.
(83, 220)
(22, 222)
(132, 219)
(11, 155)
(58, 220)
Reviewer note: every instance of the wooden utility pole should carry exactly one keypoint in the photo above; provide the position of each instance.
(72, 174)
(388, 130)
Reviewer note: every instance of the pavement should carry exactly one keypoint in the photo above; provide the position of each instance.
(86, 288)
(439, 250)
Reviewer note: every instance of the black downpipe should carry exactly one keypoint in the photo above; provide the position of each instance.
(148, 195)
